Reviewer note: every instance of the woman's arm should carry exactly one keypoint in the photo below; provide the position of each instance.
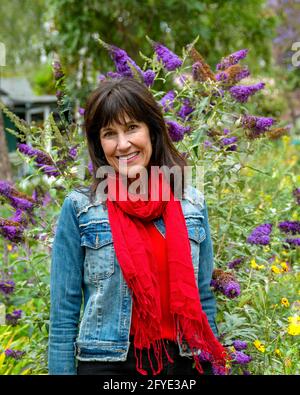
(65, 292)
(206, 266)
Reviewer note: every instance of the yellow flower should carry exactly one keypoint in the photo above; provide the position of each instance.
(278, 352)
(295, 216)
(9, 247)
(284, 266)
(254, 265)
(266, 249)
(276, 269)
(276, 260)
(284, 252)
(294, 327)
(285, 302)
(294, 319)
(258, 344)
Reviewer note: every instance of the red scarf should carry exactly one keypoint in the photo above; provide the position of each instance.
(133, 250)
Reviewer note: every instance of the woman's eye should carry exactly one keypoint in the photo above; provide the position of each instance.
(132, 127)
(108, 134)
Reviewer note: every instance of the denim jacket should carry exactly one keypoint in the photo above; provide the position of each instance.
(84, 265)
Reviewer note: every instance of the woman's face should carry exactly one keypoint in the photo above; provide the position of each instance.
(126, 147)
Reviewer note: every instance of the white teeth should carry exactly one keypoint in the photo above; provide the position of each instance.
(128, 156)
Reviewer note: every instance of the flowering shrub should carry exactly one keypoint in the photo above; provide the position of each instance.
(253, 203)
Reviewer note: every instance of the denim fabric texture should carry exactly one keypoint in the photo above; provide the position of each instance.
(90, 302)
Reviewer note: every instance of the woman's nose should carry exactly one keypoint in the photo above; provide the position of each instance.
(123, 142)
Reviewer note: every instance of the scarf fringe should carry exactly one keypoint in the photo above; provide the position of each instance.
(200, 337)
(158, 353)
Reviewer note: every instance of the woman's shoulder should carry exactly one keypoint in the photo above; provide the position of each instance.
(194, 195)
(85, 201)
(81, 197)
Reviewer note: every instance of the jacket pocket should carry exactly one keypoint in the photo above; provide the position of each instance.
(99, 260)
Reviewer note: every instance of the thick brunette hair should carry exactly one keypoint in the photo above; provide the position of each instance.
(109, 103)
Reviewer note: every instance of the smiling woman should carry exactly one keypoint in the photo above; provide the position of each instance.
(121, 118)
(126, 145)
(144, 267)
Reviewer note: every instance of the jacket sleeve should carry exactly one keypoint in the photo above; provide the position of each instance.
(65, 292)
(206, 266)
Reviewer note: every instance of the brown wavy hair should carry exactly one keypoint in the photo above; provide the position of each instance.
(109, 103)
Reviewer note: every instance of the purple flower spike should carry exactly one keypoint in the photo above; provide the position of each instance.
(295, 242)
(5, 188)
(57, 70)
(229, 143)
(222, 76)
(242, 93)
(122, 61)
(41, 158)
(292, 227)
(260, 235)
(21, 203)
(169, 60)
(90, 167)
(240, 358)
(234, 58)
(11, 232)
(225, 283)
(13, 318)
(240, 345)
(18, 217)
(218, 370)
(185, 110)
(264, 123)
(235, 262)
(49, 170)
(16, 354)
(176, 131)
(167, 100)
(7, 287)
(257, 125)
(73, 152)
(232, 289)
(149, 77)
(243, 74)
(112, 74)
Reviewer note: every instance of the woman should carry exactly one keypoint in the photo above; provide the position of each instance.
(142, 266)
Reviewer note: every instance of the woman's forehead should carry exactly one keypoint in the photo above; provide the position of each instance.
(120, 119)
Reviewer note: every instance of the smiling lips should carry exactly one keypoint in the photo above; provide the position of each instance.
(128, 158)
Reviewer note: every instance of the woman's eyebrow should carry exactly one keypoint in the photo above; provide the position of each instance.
(105, 129)
(108, 128)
